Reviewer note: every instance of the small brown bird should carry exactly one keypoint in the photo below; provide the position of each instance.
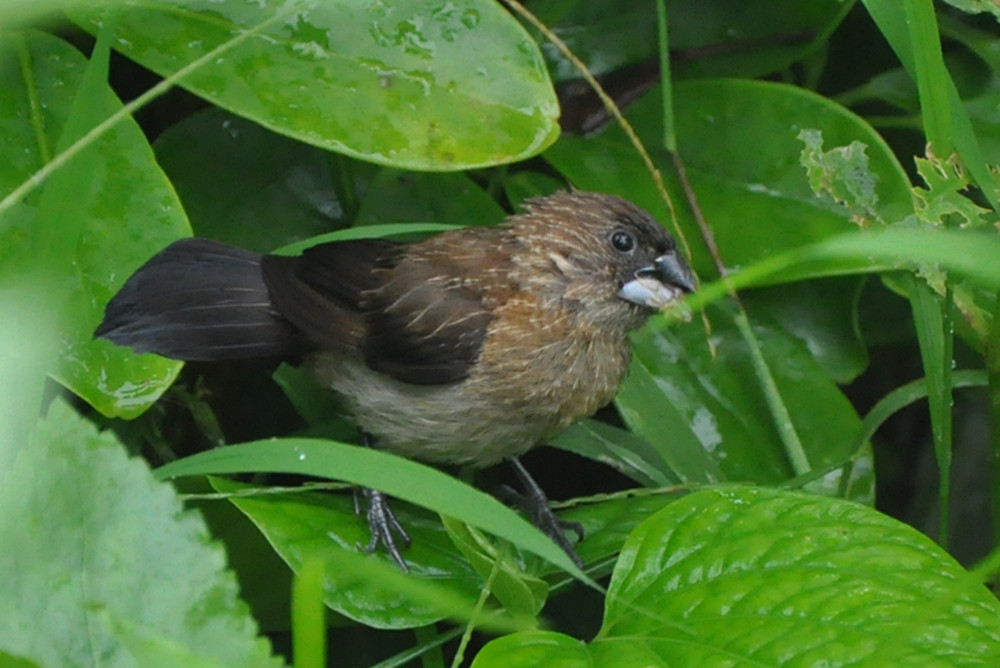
(469, 347)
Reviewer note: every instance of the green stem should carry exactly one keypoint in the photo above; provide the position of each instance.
(666, 87)
(779, 411)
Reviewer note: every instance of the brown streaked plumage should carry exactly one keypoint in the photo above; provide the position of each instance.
(468, 347)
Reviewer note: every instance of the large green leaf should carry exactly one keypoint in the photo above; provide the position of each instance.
(831, 332)
(391, 83)
(395, 196)
(248, 186)
(102, 567)
(759, 577)
(99, 218)
(695, 405)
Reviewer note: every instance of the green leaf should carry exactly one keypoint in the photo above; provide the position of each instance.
(16, 13)
(712, 38)
(247, 186)
(388, 83)
(265, 580)
(28, 347)
(692, 404)
(830, 333)
(535, 648)
(314, 525)
(101, 566)
(841, 174)
(976, 6)
(122, 207)
(523, 185)
(8, 661)
(519, 593)
(936, 88)
(394, 196)
(315, 403)
(748, 576)
(944, 201)
(619, 449)
(607, 522)
(402, 478)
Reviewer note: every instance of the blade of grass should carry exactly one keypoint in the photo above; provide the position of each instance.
(993, 373)
(309, 616)
(891, 19)
(780, 414)
(919, 48)
(396, 476)
(903, 396)
(58, 229)
(365, 232)
(932, 315)
(432, 657)
(973, 255)
(930, 73)
(484, 595)
(936, 343)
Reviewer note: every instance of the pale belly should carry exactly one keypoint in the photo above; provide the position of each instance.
(474, 422)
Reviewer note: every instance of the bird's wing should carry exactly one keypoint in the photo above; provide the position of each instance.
(426, 322)
(418, 313)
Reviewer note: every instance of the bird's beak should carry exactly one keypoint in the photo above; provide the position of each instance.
(661, 283)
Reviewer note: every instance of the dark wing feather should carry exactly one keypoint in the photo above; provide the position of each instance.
(428, 318)
(415, 312)
(425, 326)
(319, 291)
(199, 300)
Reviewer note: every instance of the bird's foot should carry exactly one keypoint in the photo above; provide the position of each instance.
(384, 526)
(536, 505)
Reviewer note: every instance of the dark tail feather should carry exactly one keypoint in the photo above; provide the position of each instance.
(199, 300)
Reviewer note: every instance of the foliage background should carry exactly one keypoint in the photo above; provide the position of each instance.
(726, 495)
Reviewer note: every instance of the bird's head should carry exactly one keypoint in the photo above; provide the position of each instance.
(600, 256)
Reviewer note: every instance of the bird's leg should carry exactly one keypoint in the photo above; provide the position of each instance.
(536, 505)
(381, 521)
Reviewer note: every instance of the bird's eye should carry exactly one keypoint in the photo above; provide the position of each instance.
(622, 241)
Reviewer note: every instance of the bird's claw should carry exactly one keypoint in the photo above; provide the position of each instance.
(384, 526)
(536, 505)
(543, 517)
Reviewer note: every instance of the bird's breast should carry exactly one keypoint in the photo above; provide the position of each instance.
(551, 364)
